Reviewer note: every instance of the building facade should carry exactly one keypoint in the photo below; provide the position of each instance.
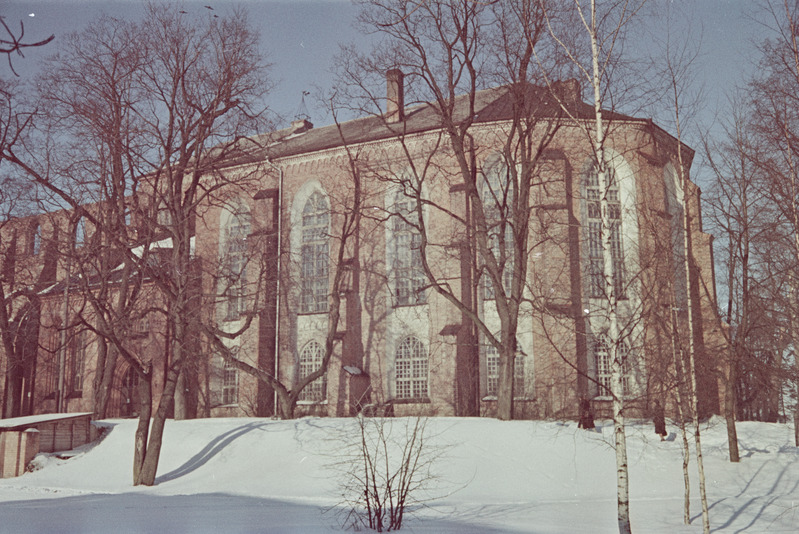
(326, 250)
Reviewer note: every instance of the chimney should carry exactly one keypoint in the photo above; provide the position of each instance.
(569, 90)
(395, 98)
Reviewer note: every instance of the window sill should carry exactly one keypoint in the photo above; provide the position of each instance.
(313, 313)
(312, 403)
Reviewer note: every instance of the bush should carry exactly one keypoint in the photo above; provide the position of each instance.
(386, 470)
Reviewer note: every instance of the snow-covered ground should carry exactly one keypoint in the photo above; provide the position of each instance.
(260, 475)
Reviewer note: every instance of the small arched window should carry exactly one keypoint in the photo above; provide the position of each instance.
(411, 369)
(593, 195)
(315, 257)
(311, 358)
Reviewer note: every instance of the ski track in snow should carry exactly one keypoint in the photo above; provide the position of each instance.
(261, 475)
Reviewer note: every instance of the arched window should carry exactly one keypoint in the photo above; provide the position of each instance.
(497, 196)
(80, 232)
(235, 263)
(604, 366)
(310, 360)
(492, 372)
(411, 369)
(315, 256)
(593, 194)
(35, 239)
(77, 361)
(407, 274)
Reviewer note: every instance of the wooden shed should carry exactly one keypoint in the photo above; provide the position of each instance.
(21, 438)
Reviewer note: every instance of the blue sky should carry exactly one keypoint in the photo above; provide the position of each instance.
(301, 37)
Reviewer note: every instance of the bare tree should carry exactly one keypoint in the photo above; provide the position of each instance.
(448, 51)
(678, 64)
(12, 43)
(345, 211)
(776, 91)
(604, 26)
(168, 102)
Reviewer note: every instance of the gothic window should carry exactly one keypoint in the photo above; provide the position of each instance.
(411, 369)
(595, 254)
(77, 361)
(230, 384)
(80, 232)
(49, 371)
(492, 373)
(35, 243)
(497, 196)
(315, 257)
(407, 274)
(235, 279)
(311, 360)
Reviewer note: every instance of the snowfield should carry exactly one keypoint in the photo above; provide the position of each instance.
(261, 475)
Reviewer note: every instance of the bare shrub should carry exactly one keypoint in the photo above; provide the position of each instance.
(385, 469)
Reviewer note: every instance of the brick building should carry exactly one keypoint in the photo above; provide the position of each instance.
(267, 255)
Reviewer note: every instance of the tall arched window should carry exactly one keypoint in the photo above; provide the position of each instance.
(235, 237)
(411, 369)
(497, 196)
(407, 275)
(35, 239)
(310, 360)
(80, 232)
(315, 256)
(596, 268)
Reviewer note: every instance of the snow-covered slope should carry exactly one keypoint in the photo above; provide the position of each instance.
(260, 475)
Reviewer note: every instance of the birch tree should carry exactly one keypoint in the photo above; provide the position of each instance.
(678, 65)
(603, 26)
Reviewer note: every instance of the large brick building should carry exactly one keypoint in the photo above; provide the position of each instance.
(398, 341)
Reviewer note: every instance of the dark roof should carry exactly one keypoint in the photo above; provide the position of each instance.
(490, 105)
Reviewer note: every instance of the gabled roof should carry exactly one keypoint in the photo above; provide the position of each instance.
(490, 105)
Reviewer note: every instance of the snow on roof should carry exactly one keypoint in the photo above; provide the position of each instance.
(30, 420)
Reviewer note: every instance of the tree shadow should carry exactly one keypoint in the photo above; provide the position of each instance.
(213, 448)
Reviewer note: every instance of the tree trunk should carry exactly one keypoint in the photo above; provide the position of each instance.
(677, 354)
(105, 381)
(143, 428)
(622, 478)
(153, 453)
(729, 410)
(505, 385)
(180, 397)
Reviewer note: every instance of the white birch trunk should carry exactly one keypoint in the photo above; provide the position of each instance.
(691, 354)
(617, 369)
